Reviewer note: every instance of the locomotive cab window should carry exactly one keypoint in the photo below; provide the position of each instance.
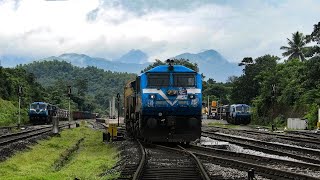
(158, 80)
(184, 80)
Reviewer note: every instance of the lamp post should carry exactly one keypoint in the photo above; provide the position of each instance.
(118, 100)
(69, 94)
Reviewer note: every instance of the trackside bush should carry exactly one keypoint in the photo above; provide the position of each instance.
(8, 113)
(312, 116)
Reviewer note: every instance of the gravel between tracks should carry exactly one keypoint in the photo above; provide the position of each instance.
(129, 155)
(219, 172)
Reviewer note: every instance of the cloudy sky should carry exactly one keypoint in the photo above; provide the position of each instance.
(161, 28)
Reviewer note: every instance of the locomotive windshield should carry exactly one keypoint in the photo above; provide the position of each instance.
(184, 80)
(37, 106)
(242, 109)
(158, 80)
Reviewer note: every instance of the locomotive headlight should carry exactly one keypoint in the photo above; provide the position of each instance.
(192, 96)
(152, 96)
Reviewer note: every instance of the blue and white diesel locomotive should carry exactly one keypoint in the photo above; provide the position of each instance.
(42, 113)
(164, 104)
(237, 114)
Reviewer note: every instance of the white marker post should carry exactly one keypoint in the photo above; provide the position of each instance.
(55, 125)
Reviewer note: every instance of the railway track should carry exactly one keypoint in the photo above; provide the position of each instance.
(289, 137)
(314, 135)
(9, 129)
(268, 167)
(162, 162)
(13, 137)
(299, 153)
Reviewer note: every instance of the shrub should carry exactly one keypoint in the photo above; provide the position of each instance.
(312, 116)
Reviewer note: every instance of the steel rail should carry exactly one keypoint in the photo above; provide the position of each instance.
(24, 135)
(22, 132)
(263, 170)
(203, 172)
(263, 148)
(138, 173)
(215, 151)
(283, 146)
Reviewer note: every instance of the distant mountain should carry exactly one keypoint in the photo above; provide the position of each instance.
(83, 60)
(213, 65)
(12, 60)
(134, 56)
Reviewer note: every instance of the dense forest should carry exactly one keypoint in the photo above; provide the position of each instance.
(48, 81)
(91, 87)
(10, 80)
(276, 87)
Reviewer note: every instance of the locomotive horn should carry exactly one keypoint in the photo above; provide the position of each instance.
(170, 63)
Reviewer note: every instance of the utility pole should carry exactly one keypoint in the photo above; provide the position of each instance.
(110, 110)
(69, 94)
(19, 93)
(220, 109)
(118, 100)
(318, 124)
(208, 108)
(273, 93)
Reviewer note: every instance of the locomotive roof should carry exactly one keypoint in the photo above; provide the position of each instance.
(39, 103)
(48, 104)
(239, 105)
(176, 68)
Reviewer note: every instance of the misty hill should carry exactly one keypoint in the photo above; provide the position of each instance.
(12, 60)
(83, 60)
(134, 56)
(213, 65)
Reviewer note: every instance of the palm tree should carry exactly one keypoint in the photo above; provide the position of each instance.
(296, 48)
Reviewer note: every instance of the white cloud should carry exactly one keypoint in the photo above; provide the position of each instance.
(250, 28)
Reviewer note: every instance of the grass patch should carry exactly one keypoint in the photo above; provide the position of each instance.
(66, 156)
(219, 124)
(92, 158)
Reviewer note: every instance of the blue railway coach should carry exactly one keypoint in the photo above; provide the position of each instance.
(164, 104)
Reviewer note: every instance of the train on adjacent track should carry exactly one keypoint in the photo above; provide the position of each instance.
(164, 104)
(236, 114)
(42, 113)
(233, 114)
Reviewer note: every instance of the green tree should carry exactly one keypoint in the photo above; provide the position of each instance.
(296, 48)
(247, 86)
(314, 37)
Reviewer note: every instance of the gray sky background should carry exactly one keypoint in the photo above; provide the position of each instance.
(161, 28)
